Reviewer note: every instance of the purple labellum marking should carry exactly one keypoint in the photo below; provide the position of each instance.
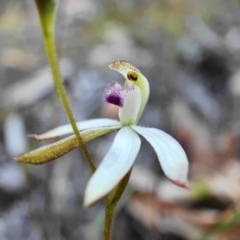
(115, 94)
(115, 99)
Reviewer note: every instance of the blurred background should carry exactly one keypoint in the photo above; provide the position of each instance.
(190, 52)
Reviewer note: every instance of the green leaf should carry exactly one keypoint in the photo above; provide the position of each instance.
(55, 150)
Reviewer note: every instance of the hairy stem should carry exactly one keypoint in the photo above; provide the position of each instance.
(109, 214)
(111, 202)
(46, 9)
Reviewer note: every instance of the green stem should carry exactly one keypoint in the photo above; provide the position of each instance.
(46, 10)
(111, 202)
(117, 192)
(109, 214)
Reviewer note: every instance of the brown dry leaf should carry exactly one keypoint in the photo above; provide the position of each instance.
(226, 182)
(170, 217)
(233, 234)
(228, 147)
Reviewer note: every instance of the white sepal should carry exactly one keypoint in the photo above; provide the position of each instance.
(170, 154)
(83, 125)
(115, 165)
(132, 102)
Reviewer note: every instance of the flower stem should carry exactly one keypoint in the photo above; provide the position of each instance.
(46, 9)
(111, 202)
(109, 214)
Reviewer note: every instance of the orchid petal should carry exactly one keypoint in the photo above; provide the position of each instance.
(55, 150)
(170, 154)
(83, 125)
(115, 165)
(133, 76)
(132, 100)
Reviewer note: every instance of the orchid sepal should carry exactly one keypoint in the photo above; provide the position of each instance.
(83, 125)
(171, 155)
(115, 165)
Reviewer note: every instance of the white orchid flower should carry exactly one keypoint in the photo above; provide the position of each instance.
(131, 99)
